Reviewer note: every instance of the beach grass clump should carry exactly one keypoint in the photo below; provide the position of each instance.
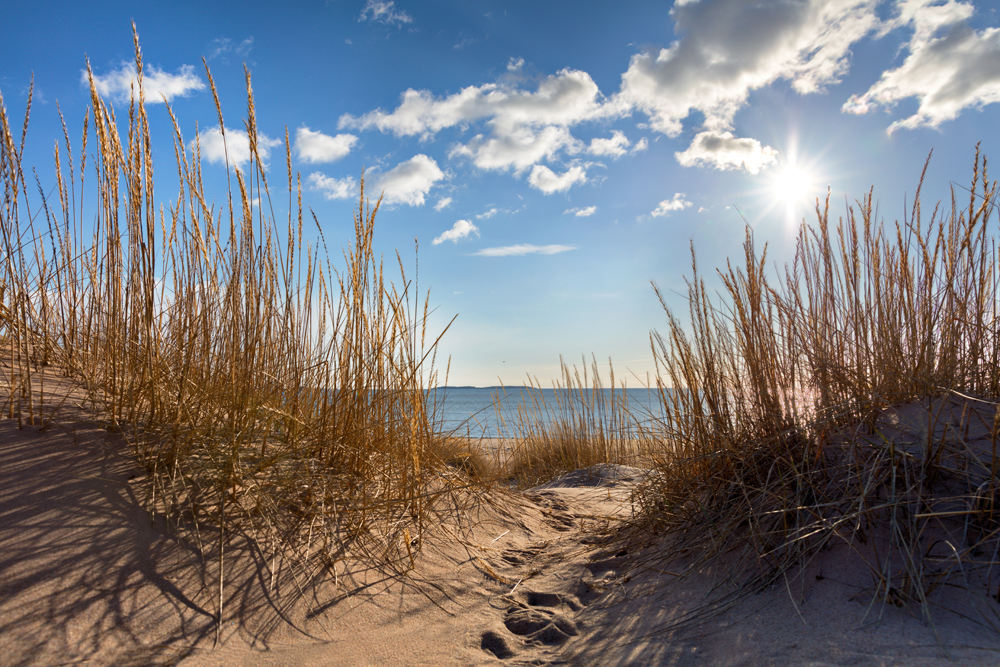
(268, 394)
(584, 423)
(466, 456)
(849, 402)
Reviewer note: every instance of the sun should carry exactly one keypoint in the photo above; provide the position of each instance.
(792, 184)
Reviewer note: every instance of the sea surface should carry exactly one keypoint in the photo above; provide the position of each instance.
(472, 411)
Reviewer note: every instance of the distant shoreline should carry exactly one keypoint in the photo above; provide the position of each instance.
(511, 386)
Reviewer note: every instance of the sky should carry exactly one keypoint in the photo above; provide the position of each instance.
(552, 160)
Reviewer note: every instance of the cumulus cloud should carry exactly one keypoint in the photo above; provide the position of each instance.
(410, 181)
(443, 203)
(526, 127)
(214, 146)
(519, 147)
(728, 48)
(332, 188)
(314, 146)
(420, 114)
(384, 12)
(157, 85)
(615, 146)
(568, 97)
(668, 206)
(515, 64)
(460, 230)
(950, 66)
(582, 212)
(546, 180)
(524, 249)
(724, 151)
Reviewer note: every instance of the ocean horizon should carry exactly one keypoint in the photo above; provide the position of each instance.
(473, 411)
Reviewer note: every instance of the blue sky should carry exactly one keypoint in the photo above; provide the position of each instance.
(552, 158)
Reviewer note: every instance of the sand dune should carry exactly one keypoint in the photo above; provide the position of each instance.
(88, 576)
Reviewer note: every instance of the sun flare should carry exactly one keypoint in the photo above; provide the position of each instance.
(792, 184)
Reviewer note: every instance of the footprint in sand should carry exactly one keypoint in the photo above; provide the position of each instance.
(541, 625)
(556, 511)
(602, 573)
(541, 618)
(497, 644)
(521, 556)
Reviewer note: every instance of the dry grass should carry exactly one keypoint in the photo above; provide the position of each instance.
(268, 394)
(786, 437)
(584, 424)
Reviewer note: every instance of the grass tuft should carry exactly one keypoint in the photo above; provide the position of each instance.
(584, 424)
(268, 394)
(852, 403)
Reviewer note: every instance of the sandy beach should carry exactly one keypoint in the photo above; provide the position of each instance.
(547, 576)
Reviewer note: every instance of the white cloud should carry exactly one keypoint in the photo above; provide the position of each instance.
(384, 12)
(640, 145)
(515, 64)
(524, 249)
(419, 113)
(546, 180)
(582, 212)
(667, 206)
(314, 146)
(724, 151)
(565, 98)
(410, 181)
(615, 146)
(157, 85)
(519, 147)
(525, 127)
(488, 214)
(728, 48)
(460, 230)
(443, 203)
(950, 66)
(213, 146)
(333, 188)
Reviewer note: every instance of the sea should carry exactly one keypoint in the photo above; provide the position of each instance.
(472, 411)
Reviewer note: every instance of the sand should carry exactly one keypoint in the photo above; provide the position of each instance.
(87, 576)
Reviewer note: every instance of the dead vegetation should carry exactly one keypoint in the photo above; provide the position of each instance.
(584, 423)
(852, 404)
(267, 393)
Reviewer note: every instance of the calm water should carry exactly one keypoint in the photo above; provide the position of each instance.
(470, 411)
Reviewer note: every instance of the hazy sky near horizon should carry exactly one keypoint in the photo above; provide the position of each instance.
(551, 158)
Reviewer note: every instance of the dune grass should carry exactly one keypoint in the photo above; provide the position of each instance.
(585, 423)
(786, 434)
(267, 393)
